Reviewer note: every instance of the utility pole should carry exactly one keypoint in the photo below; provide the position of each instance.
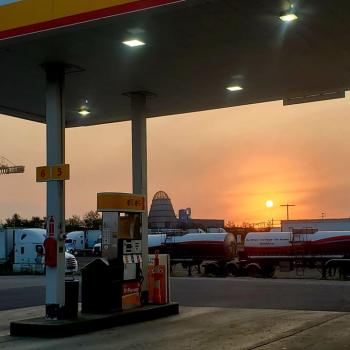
(287, 206)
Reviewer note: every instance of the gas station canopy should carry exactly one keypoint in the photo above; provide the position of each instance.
(193, 51)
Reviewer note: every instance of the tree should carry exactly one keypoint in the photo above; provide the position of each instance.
(36, 221)
(15, 221)
(75, 220)
(230, 225)
(92, 220)
(74, 223)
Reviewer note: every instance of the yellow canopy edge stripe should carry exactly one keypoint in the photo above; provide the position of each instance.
(29, 12)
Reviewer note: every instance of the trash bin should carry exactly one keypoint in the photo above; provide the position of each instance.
(101, 287)
(70, 310)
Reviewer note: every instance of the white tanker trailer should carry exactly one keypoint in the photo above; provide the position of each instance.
(215, 250)
(264, 251)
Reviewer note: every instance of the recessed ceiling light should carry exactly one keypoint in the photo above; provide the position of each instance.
(288, 17)
(134, 43)
(84, 111)
(234, 88)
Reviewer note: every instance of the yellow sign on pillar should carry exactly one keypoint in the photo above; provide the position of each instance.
(123, 202)
(43, 173)
(58, 172)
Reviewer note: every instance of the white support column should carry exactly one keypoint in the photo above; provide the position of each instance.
(55, 143)
(139, 166)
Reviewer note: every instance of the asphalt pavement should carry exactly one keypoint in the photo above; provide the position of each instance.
(263, 314)
(291, 294)
(21, 297)
(288, 294)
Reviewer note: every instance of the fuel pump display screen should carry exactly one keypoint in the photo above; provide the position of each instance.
(131, 256)
(132, 247)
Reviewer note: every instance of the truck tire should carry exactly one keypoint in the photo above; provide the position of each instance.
(268, 271)
(212, 269)
(254, 270)
(232, 270)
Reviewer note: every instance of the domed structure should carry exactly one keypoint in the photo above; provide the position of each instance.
(161, 214)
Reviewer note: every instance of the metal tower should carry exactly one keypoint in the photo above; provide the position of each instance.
(7, 167)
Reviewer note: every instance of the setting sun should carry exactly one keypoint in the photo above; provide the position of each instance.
(269, 204)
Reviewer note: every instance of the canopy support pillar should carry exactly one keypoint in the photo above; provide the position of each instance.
(55, 144)
(139, 168)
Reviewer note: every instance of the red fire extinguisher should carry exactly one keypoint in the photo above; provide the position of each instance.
(50, 245)
(51, 227)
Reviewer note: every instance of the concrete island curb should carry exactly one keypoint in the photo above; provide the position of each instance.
(40, 327)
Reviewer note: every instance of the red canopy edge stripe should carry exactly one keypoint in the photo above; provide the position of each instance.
(84, 17)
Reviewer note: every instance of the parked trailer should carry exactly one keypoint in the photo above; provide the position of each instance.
(6, 247)
(326, 250)
(22, 250)
(215, 251)
(262, 252)
(82, 242)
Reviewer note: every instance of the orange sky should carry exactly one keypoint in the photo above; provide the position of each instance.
(223, 163)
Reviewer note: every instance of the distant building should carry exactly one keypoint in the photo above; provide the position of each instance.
(320, 224)
(161, 214)
(185, 220)
(206, 223)
(185, 214)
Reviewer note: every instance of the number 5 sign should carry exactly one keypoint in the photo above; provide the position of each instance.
(52, 173)
(60, 172)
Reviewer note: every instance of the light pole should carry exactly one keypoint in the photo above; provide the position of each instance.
(287, 206)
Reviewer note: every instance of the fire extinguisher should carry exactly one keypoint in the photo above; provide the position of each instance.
(51, 226)
(50, 245)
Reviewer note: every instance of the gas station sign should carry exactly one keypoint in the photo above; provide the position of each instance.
(52, 173)
(23, 17)
(60, 172)
(122, 202)
(43, 173)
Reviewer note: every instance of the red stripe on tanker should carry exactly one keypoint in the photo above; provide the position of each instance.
(287, 243)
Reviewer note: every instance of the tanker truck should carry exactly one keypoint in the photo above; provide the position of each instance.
(216, 252)
(262, 252)
(325, 250)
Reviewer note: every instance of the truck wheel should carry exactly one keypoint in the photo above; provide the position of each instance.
(232, 270)
(269, 272)
(254, 271)
(212, 270)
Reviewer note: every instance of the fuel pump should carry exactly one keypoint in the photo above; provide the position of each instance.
(121, 242)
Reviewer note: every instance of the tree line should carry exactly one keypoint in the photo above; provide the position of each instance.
(91, 220)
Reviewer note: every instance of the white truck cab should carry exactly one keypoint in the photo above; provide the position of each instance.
(29, 252)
